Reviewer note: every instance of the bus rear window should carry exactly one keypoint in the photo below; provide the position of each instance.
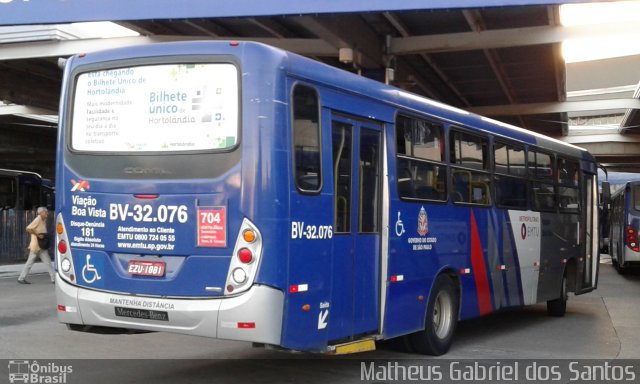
(636, 196)
(156, 108)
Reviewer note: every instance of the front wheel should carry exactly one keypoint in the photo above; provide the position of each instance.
(441, 319)
(558, 307)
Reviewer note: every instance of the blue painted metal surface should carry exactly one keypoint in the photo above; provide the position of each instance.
(16, 12)
(331, 284)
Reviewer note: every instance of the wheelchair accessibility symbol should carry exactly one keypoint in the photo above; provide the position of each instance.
(89, 272)
(399, 226)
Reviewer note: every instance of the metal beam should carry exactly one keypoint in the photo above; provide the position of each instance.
(16, 12)
(272, 27)
(346, 33)
(24, 110)
(606, 149)
(560, 73)
(475, 21)
(560, 107)
(420, 81)
(32, 90)
(613, 151)
(33, 50)
(503, 38)
(600, 139)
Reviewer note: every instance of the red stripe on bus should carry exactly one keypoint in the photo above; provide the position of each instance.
(479, 270)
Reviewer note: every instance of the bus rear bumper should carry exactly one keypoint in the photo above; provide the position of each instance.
(631, 257)
(254, 316)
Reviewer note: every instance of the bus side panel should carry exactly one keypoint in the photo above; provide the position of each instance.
(405, 311)
(495, 264)
(309, 275)
(493, 275)
(309, 312)
(424, 240)
(412, 263)
(479, 245)
(513, 273)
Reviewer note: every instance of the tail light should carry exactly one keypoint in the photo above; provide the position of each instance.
(245, 256)
(246, 259)
(64, 261)
(62, 247)
(631, 238)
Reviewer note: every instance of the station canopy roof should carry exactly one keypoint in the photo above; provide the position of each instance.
(502, 59)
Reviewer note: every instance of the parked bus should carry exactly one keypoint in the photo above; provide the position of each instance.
(24, 191)
(21, 193)
(238, 191)
(624, 227)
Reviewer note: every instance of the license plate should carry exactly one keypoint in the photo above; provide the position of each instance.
(146, 268)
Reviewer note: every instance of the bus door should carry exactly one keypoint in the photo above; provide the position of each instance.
(356, 161)
(589, 222)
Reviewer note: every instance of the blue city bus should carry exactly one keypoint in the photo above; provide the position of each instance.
(624, 227)
(24, 191)
(238, 191)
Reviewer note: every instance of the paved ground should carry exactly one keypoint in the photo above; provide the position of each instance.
(601, 325)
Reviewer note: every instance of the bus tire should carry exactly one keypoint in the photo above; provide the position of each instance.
(440, 321)
(558, 307)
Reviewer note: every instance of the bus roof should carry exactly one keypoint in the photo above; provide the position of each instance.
(15, 172)
(320, 73)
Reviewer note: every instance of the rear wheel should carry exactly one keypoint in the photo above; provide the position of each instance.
(441, 319)
(558, 307)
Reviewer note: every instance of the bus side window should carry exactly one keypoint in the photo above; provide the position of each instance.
(544, 197)
(541, 172)
(461, 186)
(470, 175)
(306, 138)
(568, 179)
(420, 153)
(510, 175)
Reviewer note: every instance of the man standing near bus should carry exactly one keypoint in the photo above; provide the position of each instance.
(38, 246)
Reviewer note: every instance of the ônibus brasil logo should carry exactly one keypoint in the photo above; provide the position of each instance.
(25, 371)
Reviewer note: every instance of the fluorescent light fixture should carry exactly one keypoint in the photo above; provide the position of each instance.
(74, 31)
(599, 13)
(98, 30)
(603, 46)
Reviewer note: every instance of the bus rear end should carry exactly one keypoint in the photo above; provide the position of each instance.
(627, 254)
(151, 227)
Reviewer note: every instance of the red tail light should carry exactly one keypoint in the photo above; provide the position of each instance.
(62, 247)
(245, 256)
(632, 239)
